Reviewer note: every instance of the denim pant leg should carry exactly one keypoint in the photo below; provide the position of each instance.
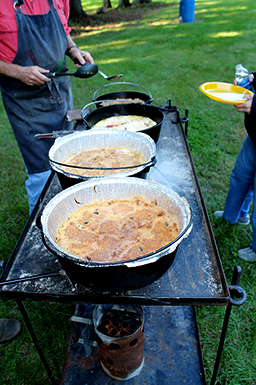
(241, 183)
(247, 203)
(34, 185)
(253, 218)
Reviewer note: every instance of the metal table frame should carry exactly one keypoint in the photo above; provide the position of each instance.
(195, 278)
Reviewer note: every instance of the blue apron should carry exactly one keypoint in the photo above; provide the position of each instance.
(38, 109)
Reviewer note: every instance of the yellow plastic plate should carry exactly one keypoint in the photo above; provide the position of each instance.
(225, 92)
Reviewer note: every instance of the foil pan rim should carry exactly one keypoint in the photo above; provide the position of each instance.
(139, 136)
(66, 138)
(139, 261)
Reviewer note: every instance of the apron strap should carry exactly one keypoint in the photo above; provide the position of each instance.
(17, 3)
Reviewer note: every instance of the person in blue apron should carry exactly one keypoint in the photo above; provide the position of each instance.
(34, 103)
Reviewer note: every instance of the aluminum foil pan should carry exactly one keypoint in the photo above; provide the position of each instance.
(63, 205)
(123, 275)
(69, 145)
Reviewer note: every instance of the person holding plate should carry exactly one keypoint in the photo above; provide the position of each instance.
(242, 188)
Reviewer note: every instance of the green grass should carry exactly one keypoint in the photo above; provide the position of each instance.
(171, 60)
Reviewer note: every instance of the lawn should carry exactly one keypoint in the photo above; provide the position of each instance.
(171, 60)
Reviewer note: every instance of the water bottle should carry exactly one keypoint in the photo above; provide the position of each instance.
(242, 77)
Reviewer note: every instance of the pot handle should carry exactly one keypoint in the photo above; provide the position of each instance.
(84, 111)
(131, 84)
(151, 163)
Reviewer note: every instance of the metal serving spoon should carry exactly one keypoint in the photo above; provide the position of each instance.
(85, 71)
(114, 77)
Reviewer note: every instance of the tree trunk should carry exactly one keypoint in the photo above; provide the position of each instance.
(107, 4)
(135, 2)
(124, 3)
(76, 9)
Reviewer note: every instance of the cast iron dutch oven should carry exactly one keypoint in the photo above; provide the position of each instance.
(139, 109)
(123, 275)
(112, 96)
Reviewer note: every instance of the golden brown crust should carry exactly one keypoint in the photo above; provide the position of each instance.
(117, 230)
(110, 157)
(121, 101)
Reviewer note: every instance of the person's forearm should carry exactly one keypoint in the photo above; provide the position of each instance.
(71, 47)
(31, 75)
(79, 56)
(9, 69)
(70, 41)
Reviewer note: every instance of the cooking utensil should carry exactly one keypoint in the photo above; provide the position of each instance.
(139, 109)
(152, 131)
(122, 275)
(113, 96)
(114, 77)
(225, 92)
(80, 141)
(85, 71)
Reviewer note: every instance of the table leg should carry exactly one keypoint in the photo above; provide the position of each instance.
(35, 340)
(235, 290)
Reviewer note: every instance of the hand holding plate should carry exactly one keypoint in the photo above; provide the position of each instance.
(245, 107)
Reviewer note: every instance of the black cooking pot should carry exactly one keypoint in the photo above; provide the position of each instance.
(123, 275)
(110, 96)
(138, 109)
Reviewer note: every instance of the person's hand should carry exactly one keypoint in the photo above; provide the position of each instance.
(245, 107)
(251, 77)
(87, 57)
(81, 57)
(32, 75)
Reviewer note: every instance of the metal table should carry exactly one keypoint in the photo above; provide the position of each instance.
(195, 278)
